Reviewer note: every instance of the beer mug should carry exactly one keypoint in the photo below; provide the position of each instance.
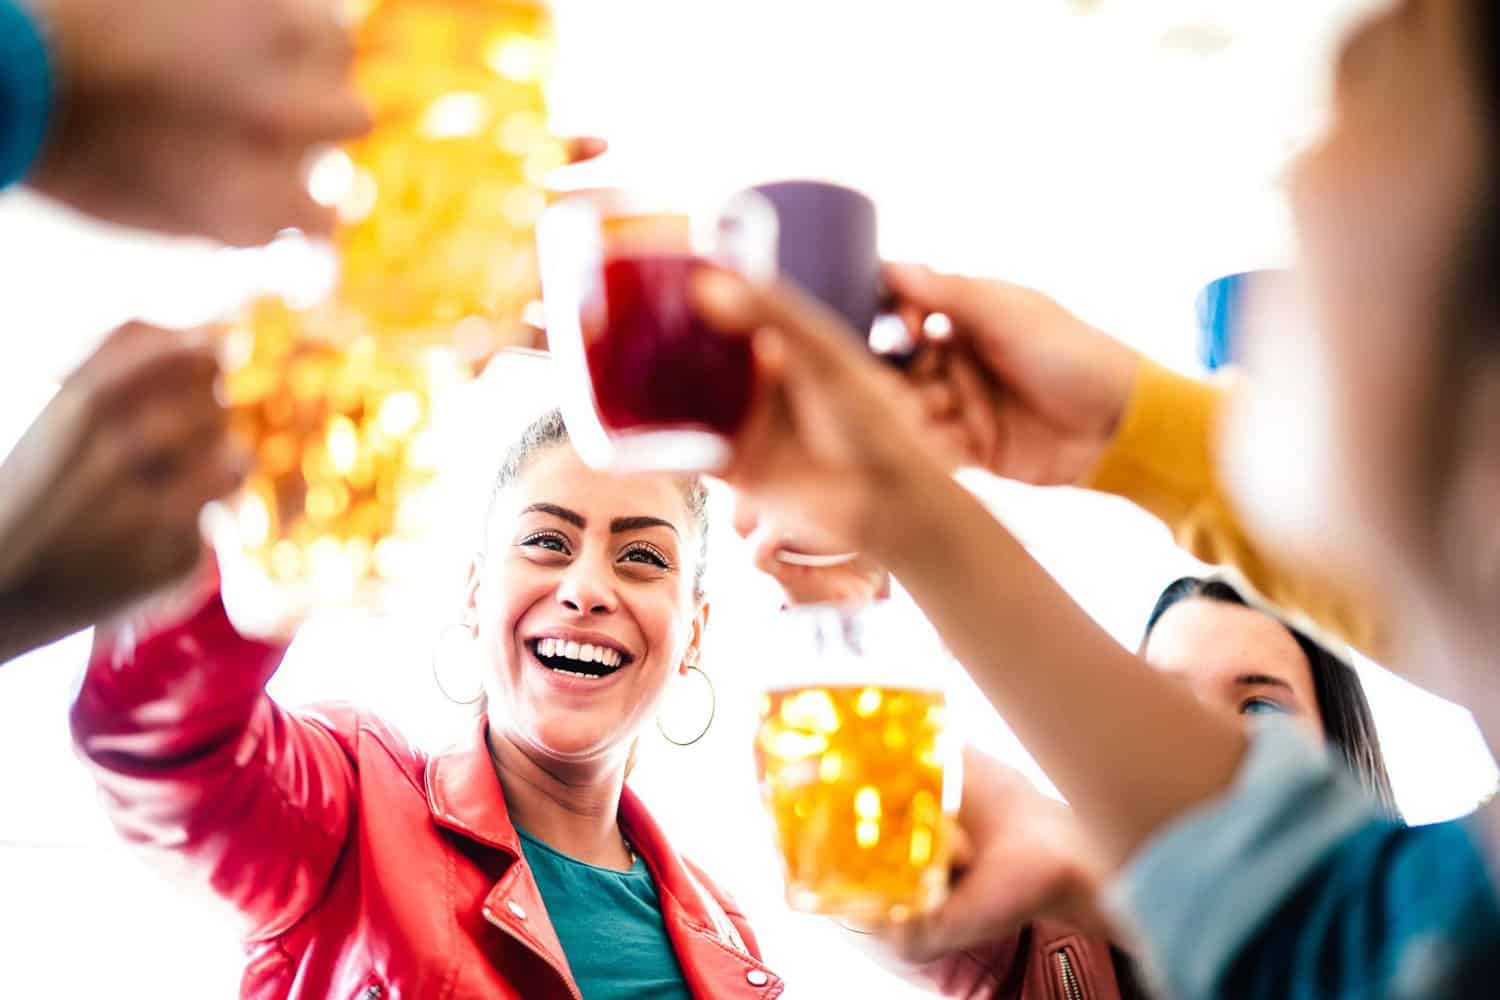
(334, 392)
(648, 385)
(859, 771)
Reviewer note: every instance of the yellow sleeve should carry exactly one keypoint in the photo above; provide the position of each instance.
(1162, 459)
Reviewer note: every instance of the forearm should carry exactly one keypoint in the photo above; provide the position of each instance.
(206, 774)
(1130, 748)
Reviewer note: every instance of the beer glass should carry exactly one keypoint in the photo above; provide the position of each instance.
(437, 207)
(648, 385)
(859, 771)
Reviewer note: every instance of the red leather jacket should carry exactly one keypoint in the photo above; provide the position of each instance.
(363, 869)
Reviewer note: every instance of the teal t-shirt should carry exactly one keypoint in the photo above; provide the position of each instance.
(610, 926)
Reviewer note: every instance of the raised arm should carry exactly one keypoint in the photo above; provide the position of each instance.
(1059, 402)
(827, 453)
(228, 793)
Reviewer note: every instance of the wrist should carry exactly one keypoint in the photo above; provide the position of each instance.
(1105, 412)
(1118, 365)
(1119, 379)
(911, 514)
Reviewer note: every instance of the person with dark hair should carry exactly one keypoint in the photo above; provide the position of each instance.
(517, 863)
(1265, 676)
(1242, 864)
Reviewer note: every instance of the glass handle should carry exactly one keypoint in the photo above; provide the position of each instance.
(744, 237)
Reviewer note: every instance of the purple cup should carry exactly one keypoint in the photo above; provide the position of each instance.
(827, 244)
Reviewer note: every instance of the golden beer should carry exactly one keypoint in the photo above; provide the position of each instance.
(437, 207)
(856, 780)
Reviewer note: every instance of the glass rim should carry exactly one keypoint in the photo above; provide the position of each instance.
(888, 656)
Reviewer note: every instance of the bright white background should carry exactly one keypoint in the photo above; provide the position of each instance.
(1114, 153)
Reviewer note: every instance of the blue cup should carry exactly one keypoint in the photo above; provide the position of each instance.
(1221, 309)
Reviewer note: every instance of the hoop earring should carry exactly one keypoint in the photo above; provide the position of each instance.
(713, 708)
(437, 674)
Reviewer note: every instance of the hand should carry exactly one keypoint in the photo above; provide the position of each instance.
(1023, 859)
(1056, 386)
(856, 583)
(197, 118)
(99, 501)
(833, 435)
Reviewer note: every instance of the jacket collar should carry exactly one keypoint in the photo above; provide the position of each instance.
(464, 795)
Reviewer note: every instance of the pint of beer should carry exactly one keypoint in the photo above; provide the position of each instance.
(436, 206)
(858, 769)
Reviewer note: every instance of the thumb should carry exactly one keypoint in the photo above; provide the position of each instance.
(794, 333)
(960, 845)
(764, 544)
(960, 922)
(969, 302)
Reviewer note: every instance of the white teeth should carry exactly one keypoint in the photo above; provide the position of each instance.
(582, 652)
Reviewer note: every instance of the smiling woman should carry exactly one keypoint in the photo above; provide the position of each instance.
(516, 864)
(549, 534)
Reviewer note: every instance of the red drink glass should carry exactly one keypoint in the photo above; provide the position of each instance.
(648, 385)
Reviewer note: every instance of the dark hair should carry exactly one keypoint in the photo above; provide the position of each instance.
(549, 431)
(1347, 720)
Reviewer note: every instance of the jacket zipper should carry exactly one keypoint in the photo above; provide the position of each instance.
(1068, 976)
(567, 980)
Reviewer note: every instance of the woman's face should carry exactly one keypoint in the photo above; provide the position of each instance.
(584, 604)
(1381, 205)
(1236, 659)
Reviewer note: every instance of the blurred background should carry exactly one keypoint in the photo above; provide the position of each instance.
(1116, 154)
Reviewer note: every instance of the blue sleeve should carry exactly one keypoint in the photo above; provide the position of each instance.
(25, 92)
(1292, 885)
(1393, 912)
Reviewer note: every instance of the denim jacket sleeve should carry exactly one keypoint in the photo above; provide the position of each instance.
(25, 91)
(1293, 885)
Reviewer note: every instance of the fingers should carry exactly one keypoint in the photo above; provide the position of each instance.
(817, 340)
(148, 442)
(139, 364)
(323, 111)
(965, 920)
(274, 195)
(306, 95)
(746, 516)
(974, 404)
(167, 554)
(938, 399)
(764, 544)
(581, 149)
(967, 300)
